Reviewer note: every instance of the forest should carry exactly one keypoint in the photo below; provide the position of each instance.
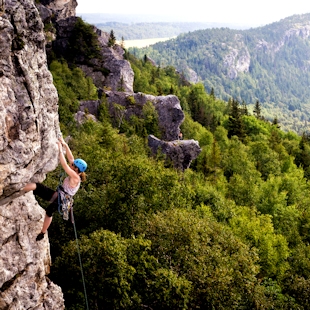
(135, 31)
(230, 232)
(277, 74)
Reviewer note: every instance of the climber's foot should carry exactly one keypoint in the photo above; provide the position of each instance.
(40, 236)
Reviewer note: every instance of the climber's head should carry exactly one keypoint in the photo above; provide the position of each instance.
(80, 164)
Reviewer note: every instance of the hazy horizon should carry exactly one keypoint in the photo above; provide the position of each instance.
(222, 11)
(149, 18)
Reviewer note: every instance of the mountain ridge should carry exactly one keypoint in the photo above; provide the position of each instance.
(269, 64)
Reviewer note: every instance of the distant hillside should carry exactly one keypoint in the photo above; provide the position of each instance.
(134, 31)
(270, 64)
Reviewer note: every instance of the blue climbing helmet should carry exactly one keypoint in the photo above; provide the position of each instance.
(80, 164)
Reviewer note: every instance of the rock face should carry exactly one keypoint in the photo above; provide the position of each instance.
(28, 131)
(121, 75)
(24, 262)
(180, 152)
(170, 114)
(60, 9)
(238, 59)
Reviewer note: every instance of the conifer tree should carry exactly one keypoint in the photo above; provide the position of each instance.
(235, 122)
(212, 93)
(257, 110)
(112, 39)
(123, 43)
(244, 109)
(145, 58)
(275, 122)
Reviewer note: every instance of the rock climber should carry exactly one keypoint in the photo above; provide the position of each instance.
(75, 170)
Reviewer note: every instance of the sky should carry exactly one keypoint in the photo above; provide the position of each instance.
(259, 12)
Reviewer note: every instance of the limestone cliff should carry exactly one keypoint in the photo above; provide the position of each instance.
(28, 129)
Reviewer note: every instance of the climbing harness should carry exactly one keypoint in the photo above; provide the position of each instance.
(65, 201)
(65, 207)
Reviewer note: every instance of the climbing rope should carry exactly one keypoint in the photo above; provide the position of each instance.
(63, 206)
(80, 260)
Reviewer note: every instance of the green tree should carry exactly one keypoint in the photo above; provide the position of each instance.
(112, 39)
(207, 254)
(258, 231)
(235, 124)
(257, 110)
(119, 274)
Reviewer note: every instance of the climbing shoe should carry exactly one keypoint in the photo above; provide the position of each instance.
(40, 236)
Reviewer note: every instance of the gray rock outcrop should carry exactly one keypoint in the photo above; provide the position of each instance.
(24, 262)
(28, 133)
(121, 75)
(180, 152)
(110, 70)
(170, 114)
(60, 9)
(170, 117)
(238, 58)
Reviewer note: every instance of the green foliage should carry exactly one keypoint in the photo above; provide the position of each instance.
(207, 254)
(121, 275)
(72, 86)
(257, 231)
(232, 232)
(150, 117)
(83, 44)
(194, 130)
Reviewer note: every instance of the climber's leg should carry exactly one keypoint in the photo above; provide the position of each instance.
(30, 187)
(48, 216)
(47, 223)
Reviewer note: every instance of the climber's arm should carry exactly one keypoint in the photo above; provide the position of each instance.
(71, 173)
(68, 151)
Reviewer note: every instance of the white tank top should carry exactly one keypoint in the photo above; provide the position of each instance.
(68, 189)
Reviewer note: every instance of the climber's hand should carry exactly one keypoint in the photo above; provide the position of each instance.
(59, 145)
(62, 141)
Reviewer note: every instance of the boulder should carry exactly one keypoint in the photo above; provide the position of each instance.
(180, 152)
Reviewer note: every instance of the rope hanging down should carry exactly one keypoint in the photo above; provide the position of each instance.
(80, 260)
(65, 205)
